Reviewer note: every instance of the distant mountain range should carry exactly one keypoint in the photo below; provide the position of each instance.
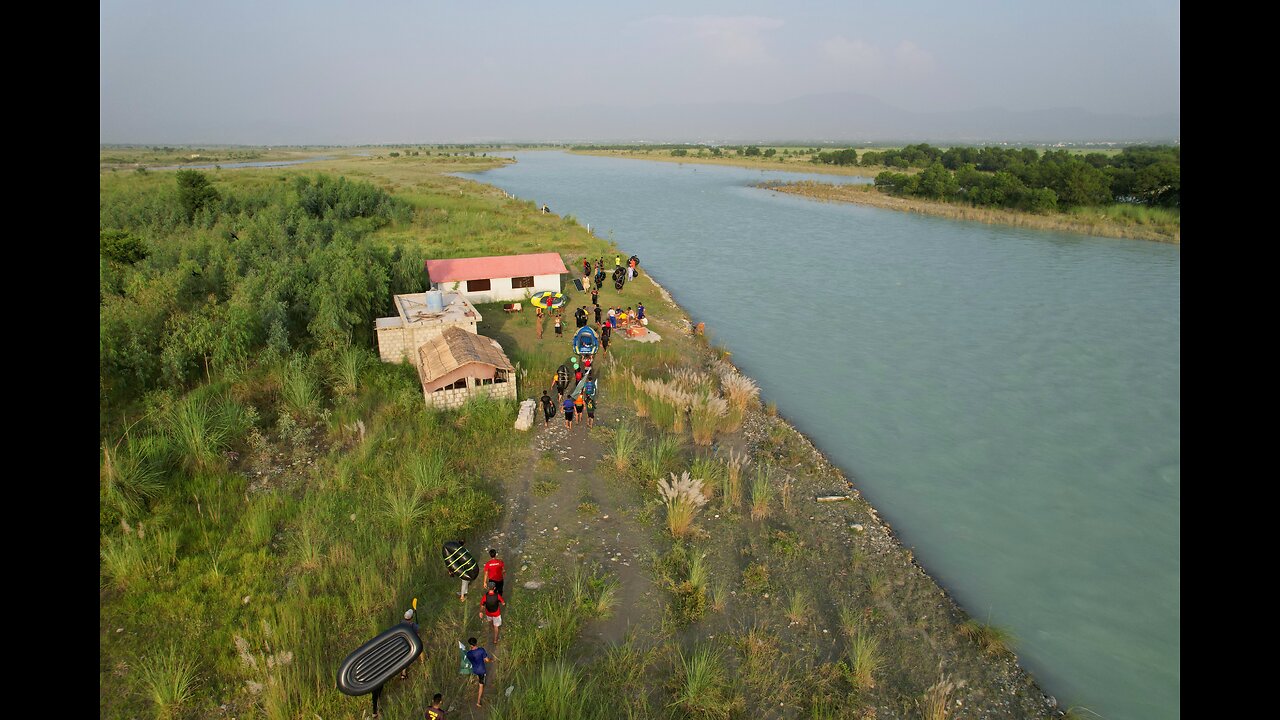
(839, 117)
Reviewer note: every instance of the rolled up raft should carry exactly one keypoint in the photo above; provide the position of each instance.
(562, 377)
(459, 561)
(379, 660)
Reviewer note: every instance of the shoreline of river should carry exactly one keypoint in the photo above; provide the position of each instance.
(795, 167)
(873, 530)
(1061, 222)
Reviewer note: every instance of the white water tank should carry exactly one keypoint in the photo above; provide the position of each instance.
(435, 301)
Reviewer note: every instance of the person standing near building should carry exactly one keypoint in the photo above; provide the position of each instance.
(491, 609)
(493, 570)
(479, 658)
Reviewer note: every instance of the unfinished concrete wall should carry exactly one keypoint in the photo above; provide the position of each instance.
(397, 343)
(450, 399)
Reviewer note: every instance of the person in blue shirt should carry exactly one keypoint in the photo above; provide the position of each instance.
(640, 311)
(479, 658)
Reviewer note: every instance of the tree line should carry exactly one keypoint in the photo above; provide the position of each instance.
(1024, 178)
(192, 278)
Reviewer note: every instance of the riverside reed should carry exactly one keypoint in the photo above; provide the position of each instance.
(264, 548)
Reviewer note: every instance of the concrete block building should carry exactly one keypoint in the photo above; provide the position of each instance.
(421, 317)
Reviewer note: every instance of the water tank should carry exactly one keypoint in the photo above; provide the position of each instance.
(435, 301)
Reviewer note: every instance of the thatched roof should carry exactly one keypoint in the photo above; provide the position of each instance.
(456, 347)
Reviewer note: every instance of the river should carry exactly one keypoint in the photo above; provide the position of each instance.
(1009, 399)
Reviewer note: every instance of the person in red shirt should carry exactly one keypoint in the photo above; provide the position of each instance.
(491, 609)
(493, 570)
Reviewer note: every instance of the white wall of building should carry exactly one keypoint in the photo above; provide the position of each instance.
(500, 289)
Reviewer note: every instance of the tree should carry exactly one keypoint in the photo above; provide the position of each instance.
(937, 182)
(119, 246)
(194, 192)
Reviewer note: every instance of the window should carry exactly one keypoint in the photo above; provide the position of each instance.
(522, 282)
(474, 285)
(461, 384)
(500, 376)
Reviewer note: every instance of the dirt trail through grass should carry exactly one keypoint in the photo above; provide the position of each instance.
(559, 512)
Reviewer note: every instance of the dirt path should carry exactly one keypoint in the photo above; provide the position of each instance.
(561, 511)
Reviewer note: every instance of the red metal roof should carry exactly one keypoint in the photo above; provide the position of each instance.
(498, 266)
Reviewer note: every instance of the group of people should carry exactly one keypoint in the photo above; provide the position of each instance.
(491, 604)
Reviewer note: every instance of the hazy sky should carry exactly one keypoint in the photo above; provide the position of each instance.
(316, 71)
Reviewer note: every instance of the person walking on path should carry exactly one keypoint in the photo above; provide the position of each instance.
(605, 333)
(548, 408)
(491, 609)
(559, 330)
(435, 712)
(494, 569)
(568, 412)
(479, 658)
(595, 296)
(461, 553)
(580, 406)
(580, 316)
(590, 405)
(586, 267)
(598, 311)
(617, 261)
(538, 323)
(613, 318)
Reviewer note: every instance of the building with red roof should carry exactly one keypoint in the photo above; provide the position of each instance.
(499, 278)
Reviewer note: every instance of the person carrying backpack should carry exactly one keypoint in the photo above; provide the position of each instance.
(491, 609)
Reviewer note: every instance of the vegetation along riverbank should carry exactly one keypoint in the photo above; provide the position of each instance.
(272, 495)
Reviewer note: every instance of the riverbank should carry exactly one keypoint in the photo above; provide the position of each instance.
(314, 514)
(755, 163)
(1063, 222)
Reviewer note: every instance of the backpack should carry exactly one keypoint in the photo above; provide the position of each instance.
(491, 602)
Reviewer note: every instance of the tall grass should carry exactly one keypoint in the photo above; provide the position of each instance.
(935, 704)
(626, 442)
(865, 660)
(555, 692)
(297, 387)
(711, 471)
(199, 434)
(993, 639)
(683, 497)
(130, 476)
(799, 606)
(170, 681)
(663, 451)
(701, 688)
(761, 494)
(708, 413)
(348, 365)
(732, 480)
(403, 508)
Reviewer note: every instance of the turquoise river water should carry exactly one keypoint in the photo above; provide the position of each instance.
(1007, 398)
